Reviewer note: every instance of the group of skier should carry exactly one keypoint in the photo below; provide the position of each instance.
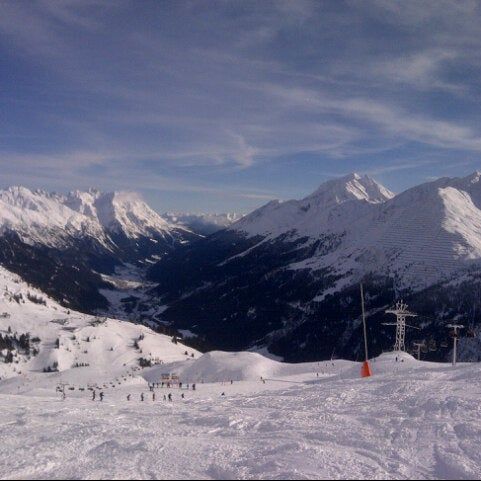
(168, 385)
(94, 395)
(167, 397)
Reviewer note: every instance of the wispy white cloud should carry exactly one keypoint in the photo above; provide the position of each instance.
(393, 120)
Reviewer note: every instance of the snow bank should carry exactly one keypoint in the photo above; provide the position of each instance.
(218, 366)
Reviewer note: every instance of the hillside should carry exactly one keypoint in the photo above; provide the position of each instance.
(38, 335)
(287, 276)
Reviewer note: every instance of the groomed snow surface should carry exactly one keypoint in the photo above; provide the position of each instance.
(411, 420)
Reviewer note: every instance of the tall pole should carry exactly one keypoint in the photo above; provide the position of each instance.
(456, 328)
(364, 324)
(366, 368)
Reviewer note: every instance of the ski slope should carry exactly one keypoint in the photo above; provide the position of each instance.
(411, 420)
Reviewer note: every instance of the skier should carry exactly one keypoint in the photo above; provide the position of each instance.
(170, 397)
(142, 397)
(193, 387)
(128, 397)
(153, 397)
(182, 396)
(101, 396)
(94, 394)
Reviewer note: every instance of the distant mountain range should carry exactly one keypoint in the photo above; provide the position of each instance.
(204, 224)
(63, 243)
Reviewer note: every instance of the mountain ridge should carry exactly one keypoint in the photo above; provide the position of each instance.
(282, 273)
(49, 238)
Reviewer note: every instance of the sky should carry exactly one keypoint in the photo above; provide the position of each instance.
(223, 105)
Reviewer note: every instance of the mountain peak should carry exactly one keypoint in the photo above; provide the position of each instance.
(474, 178)
(118, 211)
(352, 187)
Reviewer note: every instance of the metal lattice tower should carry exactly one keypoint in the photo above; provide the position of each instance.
(401, 312)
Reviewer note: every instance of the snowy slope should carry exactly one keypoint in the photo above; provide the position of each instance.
(103, 347)
(419, 237)
(412, 420)
(220, 366)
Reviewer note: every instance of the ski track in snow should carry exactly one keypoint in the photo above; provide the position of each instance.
(419, 422)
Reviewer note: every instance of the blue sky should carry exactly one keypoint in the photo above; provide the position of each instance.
(223, 105)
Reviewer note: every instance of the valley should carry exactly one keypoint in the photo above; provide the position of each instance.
(282, 280)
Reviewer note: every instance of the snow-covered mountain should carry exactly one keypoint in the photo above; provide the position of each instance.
(41, 217)
(327, 207)
(48, 218)
(418, 237)
(287, 266)
(49, 238)
(120, 212)
(203, 224)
